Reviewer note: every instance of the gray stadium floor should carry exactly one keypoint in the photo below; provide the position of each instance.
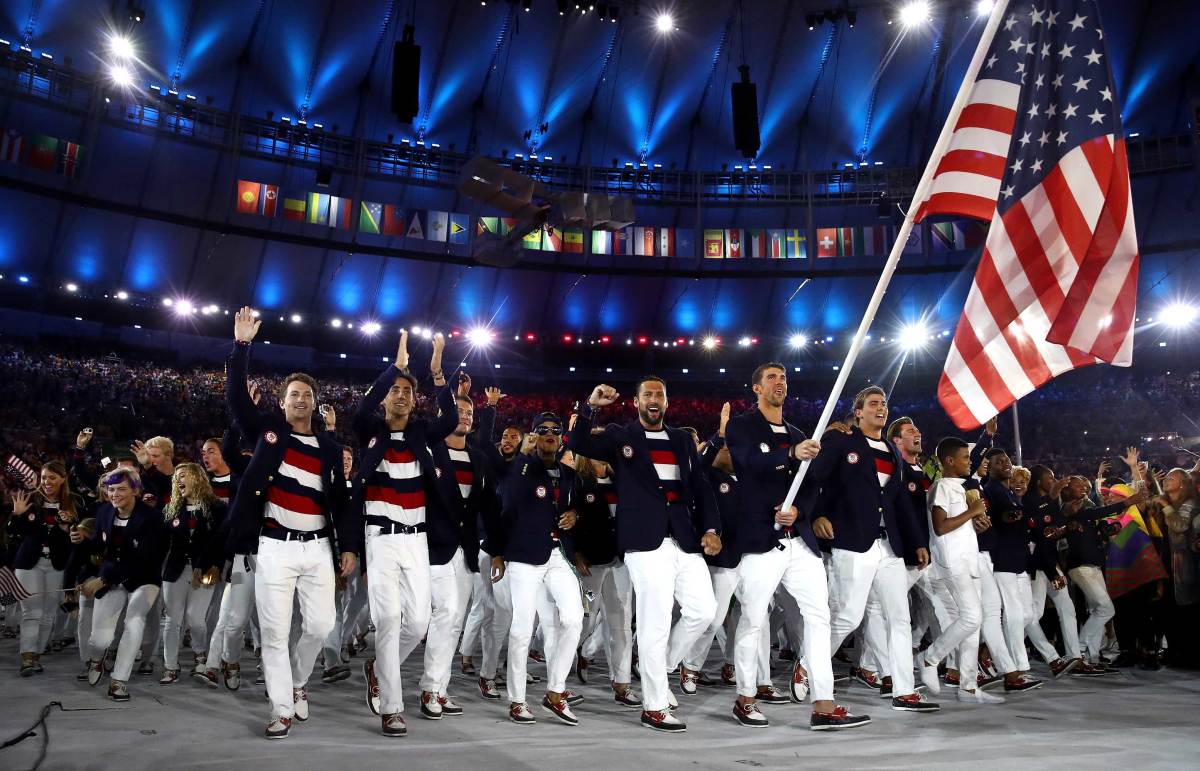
(1134, 720)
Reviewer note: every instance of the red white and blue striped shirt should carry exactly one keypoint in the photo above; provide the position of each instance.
(395, 489)
(295, 498)
(666, 465)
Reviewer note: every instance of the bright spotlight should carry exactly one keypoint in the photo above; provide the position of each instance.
(426, 333)
(664, 23)
(121, 47)
(184, 308)
(1179, 315)
(336, 323)
(984, 7)
(122, 295)
(72, 287)
(913, 337)
(914, 13)
(479, 337)
(709, 343)
(168, 302)
(120, 75)
(296, 318)
(416, 331)
(797, 341)
(370, 327)
(744, 342)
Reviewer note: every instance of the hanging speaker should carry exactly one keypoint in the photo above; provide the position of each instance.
(406, 77)
(745, 115)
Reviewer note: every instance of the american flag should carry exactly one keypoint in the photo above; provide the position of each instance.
(12, 590)
(1038, 152)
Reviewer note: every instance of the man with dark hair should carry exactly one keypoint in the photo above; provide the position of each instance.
(778, 547)
(867, 515)
(399, 495)
(666, 516)
(292, 498)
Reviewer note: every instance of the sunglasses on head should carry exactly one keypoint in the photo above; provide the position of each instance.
(544, 430)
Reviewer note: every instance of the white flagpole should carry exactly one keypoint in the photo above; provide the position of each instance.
(889, 268)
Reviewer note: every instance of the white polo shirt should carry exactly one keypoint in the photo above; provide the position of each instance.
(956, 552)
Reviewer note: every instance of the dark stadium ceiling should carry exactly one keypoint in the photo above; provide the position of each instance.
(590, 90)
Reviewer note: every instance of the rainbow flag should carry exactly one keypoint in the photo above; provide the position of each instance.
(1132, 559)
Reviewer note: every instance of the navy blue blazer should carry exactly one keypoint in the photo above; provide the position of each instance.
(852, 499)
(916, 487)
(765, 471)
(1010, 550)
(644, 518)
(461, 527)
(728, 492)
(421, 435)
(272, 433)
(32, 533)
(528, 527)
(205, 548)
(595, 534)
(138, 560)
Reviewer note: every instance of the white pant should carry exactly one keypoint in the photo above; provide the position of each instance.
(104, 625)
(802, 573)
(614, 604)
(237, 608)
(530, 586)
(1090, 580)
(1017, 599)
(959, 595)
(1066, 619)
(855, 577)
(992, 629)
(184, 603)
(357, 615)
(39, 611)
(725, 584)
(661, 577)
(83, 627)
(398, 582)
(450, 591)
(287, 571)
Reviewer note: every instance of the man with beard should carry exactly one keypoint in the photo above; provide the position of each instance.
(866, 514)
(397, 486)
(469, 491)
(778, 547)
(666, 516)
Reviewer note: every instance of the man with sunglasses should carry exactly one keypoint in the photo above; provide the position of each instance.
(666, 516)
(532, 569)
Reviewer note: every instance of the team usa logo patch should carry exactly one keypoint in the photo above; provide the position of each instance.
(912, 487)
(627, 451)
(764, 447)
(1046, 519)
(540, 491)
(371, 443)
(724, 487)
(271, 437)
(590, 498)
(175, 522)
(852, 457)
(438, 472)
(32, 516)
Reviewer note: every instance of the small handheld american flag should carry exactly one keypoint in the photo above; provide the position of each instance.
(21, 471)
(12, 590)
(1038, 152)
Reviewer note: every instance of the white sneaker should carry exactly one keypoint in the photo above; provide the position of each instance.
(300, 700)
(978, 696)
(929, 676)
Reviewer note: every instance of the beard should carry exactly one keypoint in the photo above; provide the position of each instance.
(646, 417)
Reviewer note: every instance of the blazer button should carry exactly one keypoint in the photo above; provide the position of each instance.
(270, 477)
(880, 509)
(258, 492)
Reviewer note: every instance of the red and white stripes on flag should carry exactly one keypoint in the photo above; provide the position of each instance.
(12, 590)
(1046, 166)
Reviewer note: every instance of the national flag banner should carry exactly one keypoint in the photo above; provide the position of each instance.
(602, 241)
(827, 242)
(533, 239)
(339, 212)
(487, 225)
(685, 243)
(318, 209)
(12, 590)
(294, 209)
(370, 216)
(72, 154)
(913, 244)
(797, 245)
(735, 247)
(573, 241)
(666, 242)
(22, 472)
(437, 227)
(776, 244)
(757, 244)
(620, 241)
(552, 239)
(643, 241)
(941, 237)
(416, 224)
(247, 196)
(42, 152)
(877, 240)
(393, 220)
(1039, 153)
(714, 244)
(458, 233)
(12, 145)
(850, 240)
(507, 224)
(1132, 560)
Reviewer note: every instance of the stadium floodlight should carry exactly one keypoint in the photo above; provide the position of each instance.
(664, 23)
(797, 341)
(296, 318)
(984, 7)
(914, 13)
(184, 308)
(709, 343)
(370, 327)
(121, 47)
(1179, 315)
(336, 323)
(120, 75)
(122, 295)
(479, 337)
(913, 336)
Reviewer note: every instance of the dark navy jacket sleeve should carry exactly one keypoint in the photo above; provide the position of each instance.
(245, 414)
(602, 446)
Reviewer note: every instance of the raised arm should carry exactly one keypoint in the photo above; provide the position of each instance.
(708, 451)
(247, 417)
(581, 440)
(364, 414)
